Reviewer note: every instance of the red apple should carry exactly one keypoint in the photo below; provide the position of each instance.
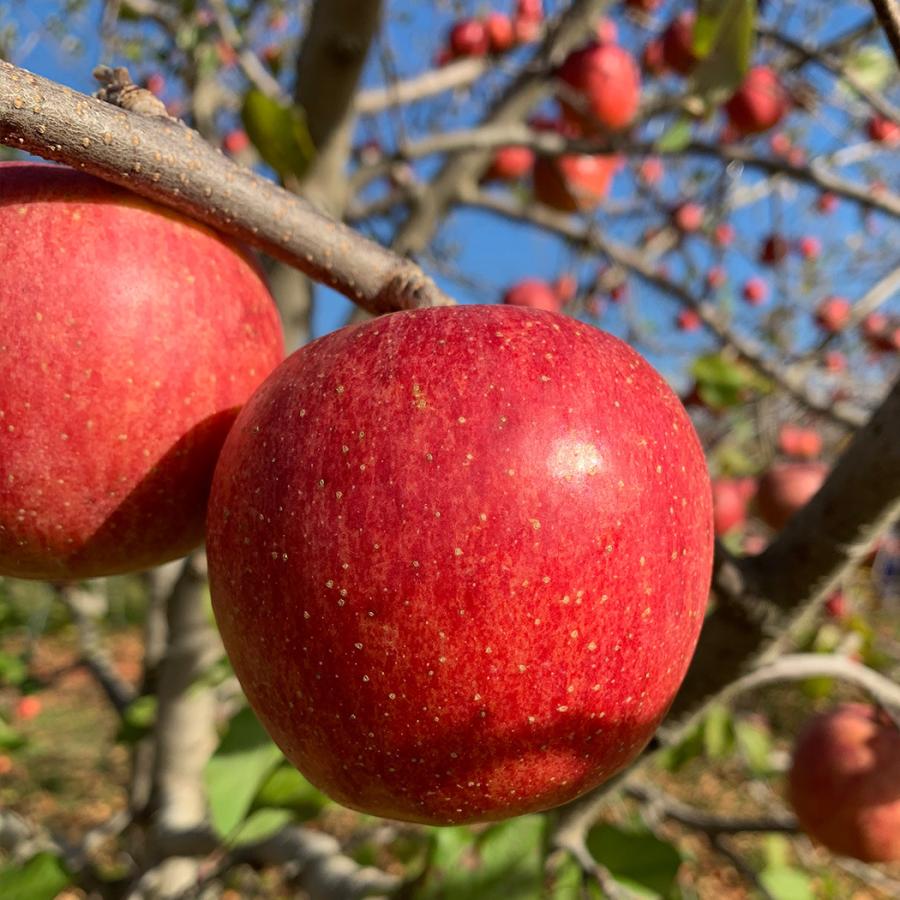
(131, 338)
(28, 707)
(756, 291)
(716, 278)
(729, 505)
(500, 33)
(688, 320)
(801, 443)
(510, 164)
(533, 293)
(787, 487)
(530, 9)
(833, 314)
(836, 606)
(468, 38)
(827, 202)
(606, 30)
(689, 217)
(646, 6)
(566, 288)
(883, 130)
(236, 141)
(574, 182)
(459, 558)
(844, 782)
(773, 250)
(809, 247)
(651, 170)
(606, 84)
(156, 83)
(759, 103)
(780, 144)
(678, 44)
(526, 30)
(723, 234)
(835, 361)
(6, 764)
(618, 292)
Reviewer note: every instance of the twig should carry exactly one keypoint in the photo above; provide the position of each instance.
(721, 847)
(78, 602)
(642, 264)
(171, 164)
(889, 16)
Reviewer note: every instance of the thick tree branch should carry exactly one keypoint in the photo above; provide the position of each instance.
(889, 16)
(785, 585)
(171, 164)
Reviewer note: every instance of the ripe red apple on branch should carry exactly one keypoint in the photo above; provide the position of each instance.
(129, 338)
(459, 558)
(845, 782)
(785, 488)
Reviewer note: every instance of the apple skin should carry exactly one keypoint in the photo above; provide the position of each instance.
(755, 291)
(883, 130)
(801, 443)
(510, 164)
(534, 294)
(129, 338)
(759, 104)
(785, 488)
(729, 505)
(833, 314)
(459, 558)
(608, 81)
(844, 782)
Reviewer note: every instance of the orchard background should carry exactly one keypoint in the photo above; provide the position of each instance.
(758, 272)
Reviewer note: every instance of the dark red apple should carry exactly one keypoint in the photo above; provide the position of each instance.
(773, 250)
(653, 59)
(844, 782)
(759, 104)
(510, 164)
(678, 44)
(533, 293)
(129, 338)
(787, 487)
(460, 558)
(756, 291)
(574, 182)
(645, 6)
(882, 129)
(603, 87)
(500, 33)
(468, 38)
(833, 314)
(827, 203)
(729, 505)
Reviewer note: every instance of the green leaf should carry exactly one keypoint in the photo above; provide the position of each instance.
(10, 739)
(776, 851)
(718, 732)
(279, 132)
(787, 883)
(243, 759)
(43, 876)
(871, 66)
(755, 744)
(286, 788)
(567, 884)
(13, 670)
(723, 39)
(690, 747)
(637, 858)
(137, 720)
(675, 138)
(503, 862)
(260, 825)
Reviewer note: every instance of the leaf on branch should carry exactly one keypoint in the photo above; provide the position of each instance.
(872, 67)
(41, 878)
(286, 788)
(675, 138)
(637, 858)
(279, 132)
(787, 883)
(723, 40)
(244, 758)
(260, 825)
